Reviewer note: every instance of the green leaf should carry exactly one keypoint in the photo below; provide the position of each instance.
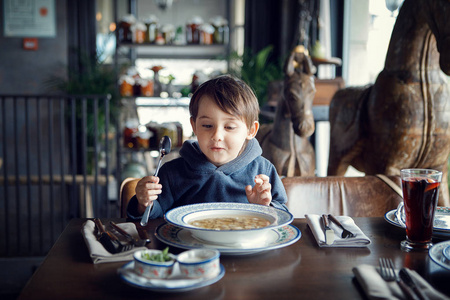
(256, 70)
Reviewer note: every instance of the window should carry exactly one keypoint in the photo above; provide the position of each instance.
(368, 27)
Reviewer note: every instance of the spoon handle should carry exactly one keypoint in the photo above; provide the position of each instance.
(144, 219)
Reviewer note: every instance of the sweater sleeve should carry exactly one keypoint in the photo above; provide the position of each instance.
(279, 196)
(133, 214)
(164, 202)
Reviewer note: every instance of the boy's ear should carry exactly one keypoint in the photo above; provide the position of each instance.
(193, 124)
(253, 130)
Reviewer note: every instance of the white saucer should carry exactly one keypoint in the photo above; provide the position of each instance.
(441, 221)
(175, 283)
(446, 253)
(436, 254)
(182, 238)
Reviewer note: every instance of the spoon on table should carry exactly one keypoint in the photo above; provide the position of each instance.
(165, 145)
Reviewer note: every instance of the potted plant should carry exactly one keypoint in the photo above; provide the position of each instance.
(94, 77)
(256, 70)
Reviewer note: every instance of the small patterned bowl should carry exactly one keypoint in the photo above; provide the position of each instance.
(198, 263)
(153, 269)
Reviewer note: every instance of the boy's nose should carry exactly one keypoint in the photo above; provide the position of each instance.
(217, 135)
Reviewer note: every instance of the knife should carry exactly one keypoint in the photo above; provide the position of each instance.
(329, 233)
(345, 232)
(104, 238)
(404, 275)
(129, 237)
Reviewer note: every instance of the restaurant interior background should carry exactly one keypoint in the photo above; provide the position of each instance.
(355, 31)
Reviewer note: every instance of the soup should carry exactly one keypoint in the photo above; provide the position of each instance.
(231, 222)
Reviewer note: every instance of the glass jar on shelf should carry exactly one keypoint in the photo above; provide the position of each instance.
(221, 30)
(151, 22)
(206, 34)
(157, 86)
(169, 129)
(125, 33)
(139, 31)
(180, 138)
(193, 30)
(143, 136)
(146, 87)
(130, 132)
(179, 38)
(154, 128)
(168, 33)
(126, 84)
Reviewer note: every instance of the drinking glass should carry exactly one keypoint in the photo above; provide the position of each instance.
(420, 197)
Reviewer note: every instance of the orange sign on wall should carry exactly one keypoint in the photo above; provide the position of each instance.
(30, 44)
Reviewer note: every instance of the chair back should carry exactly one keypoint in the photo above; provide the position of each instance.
(367, 196)
(127, 191)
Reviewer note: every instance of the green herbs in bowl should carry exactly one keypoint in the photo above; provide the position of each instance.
(154, 264)
(162, 256)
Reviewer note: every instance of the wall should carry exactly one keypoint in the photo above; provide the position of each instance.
(24, 71)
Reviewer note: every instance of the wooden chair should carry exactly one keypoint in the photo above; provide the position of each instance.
(368, 196)
(127, 191)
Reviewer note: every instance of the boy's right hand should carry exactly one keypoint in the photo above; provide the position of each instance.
(147, 191)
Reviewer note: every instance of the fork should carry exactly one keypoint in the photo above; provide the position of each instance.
(121, 246)
(136, 242)
(387, 272)
(345, 233)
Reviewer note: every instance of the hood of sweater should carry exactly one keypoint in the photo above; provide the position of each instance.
(194, 157)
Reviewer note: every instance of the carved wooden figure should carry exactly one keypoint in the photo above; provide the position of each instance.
(285, 142)
(403, 119)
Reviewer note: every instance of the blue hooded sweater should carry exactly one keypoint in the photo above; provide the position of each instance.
(191, 178)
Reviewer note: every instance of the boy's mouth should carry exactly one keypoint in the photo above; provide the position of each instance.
(215, 148)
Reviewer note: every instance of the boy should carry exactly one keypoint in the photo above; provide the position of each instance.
(224, 162)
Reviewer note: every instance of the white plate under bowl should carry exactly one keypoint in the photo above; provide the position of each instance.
(181, 216)
(181, 238)
(436, 254)
(441, 227)
(175, 283)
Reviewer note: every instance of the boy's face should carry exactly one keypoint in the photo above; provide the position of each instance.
(221, 136)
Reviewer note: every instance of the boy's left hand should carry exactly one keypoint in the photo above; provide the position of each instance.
(261, 192)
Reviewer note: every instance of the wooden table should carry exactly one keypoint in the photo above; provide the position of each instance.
(299, 271)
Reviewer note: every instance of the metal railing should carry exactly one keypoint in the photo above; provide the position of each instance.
(57, 159)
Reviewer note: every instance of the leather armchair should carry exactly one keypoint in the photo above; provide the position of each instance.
(367, 196)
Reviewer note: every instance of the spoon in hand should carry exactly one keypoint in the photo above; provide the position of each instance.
(165, 146)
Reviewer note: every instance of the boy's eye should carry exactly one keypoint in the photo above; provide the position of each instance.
(206, 126)
(230, 127)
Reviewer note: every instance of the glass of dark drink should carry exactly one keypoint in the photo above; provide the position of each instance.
(420, 197)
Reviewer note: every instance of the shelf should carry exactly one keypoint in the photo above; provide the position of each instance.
(159, 102)
(140, 150)
(326, 61)
(178, 51)
(320, 113)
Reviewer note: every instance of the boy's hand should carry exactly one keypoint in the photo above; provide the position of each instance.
(261, 192)
(147, 191)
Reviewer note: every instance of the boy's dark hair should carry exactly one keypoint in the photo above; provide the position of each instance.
(232, 95)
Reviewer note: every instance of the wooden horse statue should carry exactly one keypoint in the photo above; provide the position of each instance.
(403, 119)
(285, 142)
